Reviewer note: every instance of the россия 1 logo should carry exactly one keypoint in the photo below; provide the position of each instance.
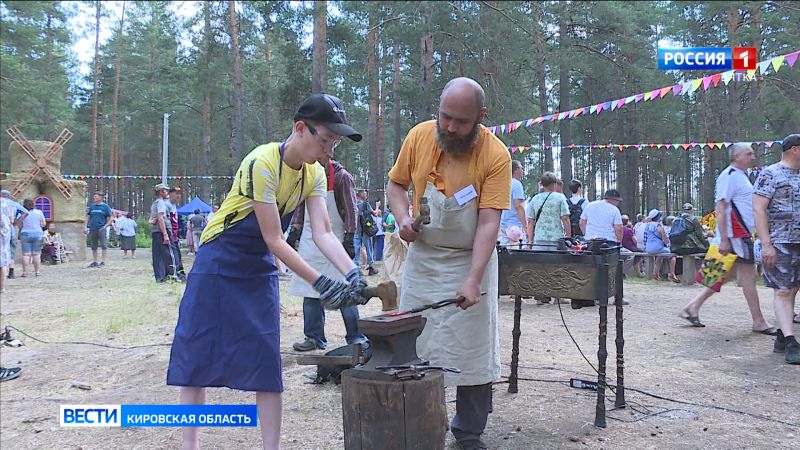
(707, 58)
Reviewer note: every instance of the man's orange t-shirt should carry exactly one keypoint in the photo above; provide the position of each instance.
(487, 167)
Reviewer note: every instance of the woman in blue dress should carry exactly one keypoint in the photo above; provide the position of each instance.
(228, 331)
(656, 241)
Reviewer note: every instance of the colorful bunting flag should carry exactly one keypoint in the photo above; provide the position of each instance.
(678, 89)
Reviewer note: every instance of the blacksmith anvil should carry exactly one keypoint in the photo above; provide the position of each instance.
(393, 340)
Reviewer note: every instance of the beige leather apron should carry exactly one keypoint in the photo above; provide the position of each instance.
(436, 265)
(308, 251)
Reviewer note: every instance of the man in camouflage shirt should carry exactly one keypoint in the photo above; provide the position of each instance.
(776, 207)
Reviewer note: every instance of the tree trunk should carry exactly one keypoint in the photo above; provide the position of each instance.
(48, 53)
(207, 98)
(112, 144)
(396, 97)
(380, 178)
(426, 64)
(372, 121)
(269, 129)
(541, 76)
(563, 98)
(319, 63)
(95, 89)
(237, 124)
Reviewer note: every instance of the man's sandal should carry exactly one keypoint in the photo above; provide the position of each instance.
(694, 320)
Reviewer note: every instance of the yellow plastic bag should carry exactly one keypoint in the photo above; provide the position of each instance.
(715, 267)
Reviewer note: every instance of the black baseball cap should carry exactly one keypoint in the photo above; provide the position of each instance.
(328, 111)
(791, 141)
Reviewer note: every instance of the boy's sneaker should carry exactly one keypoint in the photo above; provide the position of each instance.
(102, 264)
(792, 355)
(9, 374)
(780, 343)
(93, 265)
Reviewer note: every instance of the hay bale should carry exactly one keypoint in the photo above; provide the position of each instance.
(21, 162)
(74, 236)
(72, 210)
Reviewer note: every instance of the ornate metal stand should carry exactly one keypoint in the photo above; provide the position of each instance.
(580, 277)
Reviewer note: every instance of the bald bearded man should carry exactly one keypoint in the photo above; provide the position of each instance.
(465, 172)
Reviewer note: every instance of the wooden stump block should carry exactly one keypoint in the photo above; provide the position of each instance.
(392, 415)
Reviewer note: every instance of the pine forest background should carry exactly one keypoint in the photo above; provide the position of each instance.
(232, 74)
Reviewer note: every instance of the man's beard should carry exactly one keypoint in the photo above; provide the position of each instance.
(456, 145)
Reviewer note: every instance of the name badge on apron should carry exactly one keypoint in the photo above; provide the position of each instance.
(465, 195)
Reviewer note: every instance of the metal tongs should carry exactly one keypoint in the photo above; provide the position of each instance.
(413, 372)
(437, 305)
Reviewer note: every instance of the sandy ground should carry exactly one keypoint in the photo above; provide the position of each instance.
(724, 365)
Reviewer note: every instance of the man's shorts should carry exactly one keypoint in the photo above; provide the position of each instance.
(97, 237)
(743, 247)
(786, 272)
(31, 242)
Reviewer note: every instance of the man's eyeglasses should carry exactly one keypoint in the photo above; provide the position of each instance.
(325, 142)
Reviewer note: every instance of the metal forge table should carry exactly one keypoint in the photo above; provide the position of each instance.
(583, 277)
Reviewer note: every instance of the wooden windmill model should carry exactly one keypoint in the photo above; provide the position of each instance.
(41, 162)
(36, 174)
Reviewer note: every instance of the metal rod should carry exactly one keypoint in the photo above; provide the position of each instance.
(602, 353)
(516, 333)
(619, 401)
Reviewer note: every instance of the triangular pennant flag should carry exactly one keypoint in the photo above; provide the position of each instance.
(686, 146)
(706, 83)
(539, 119)
(792, 57)
(630, 99)
(665, 91)
(751, 74)
(592, 109)
(606, 105)
(715, 79)
(621, 147)
(580, 111)
(639, 97)
(614, 105)
(519, 124)
(676, 90)
(547, 117)
(529, 122)
(768, 144)
(675, 146)
(696, 84)
(763, 66)
(646, 96)
(563, 115)
(503, 128)
(599, 107)
(727, 76)
(777, 62)
(620, 102)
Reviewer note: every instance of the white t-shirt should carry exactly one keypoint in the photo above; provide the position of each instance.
(638, 231)
(577, 198)
(126, 227)
(601, 217)
(735, 188)
(33, 222)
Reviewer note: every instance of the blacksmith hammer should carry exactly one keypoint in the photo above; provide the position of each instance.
(386, 291)
(424, 216)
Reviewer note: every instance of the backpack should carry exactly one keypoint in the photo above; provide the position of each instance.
(680, 231)
(575, 211)
(368, 225)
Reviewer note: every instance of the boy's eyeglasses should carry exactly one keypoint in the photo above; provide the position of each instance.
(325, 142)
